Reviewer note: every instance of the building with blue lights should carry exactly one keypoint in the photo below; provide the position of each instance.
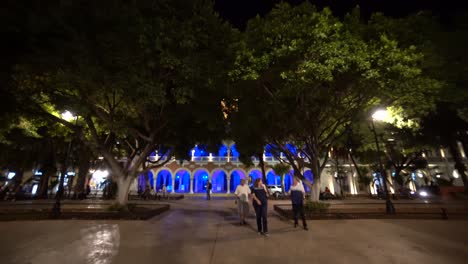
(225, 171)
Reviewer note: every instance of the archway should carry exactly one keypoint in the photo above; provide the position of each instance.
(253, 175)
(288, 179)
(236, 176)
(308, 177)
(142, 181)
(182, 181)
(164, 177)
(273, 179)
(200, 177)
(219, 181)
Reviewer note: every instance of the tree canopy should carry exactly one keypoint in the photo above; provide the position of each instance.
(140, 77)
(320, 73)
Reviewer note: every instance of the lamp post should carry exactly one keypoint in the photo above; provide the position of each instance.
(68, 116)
(381, 115)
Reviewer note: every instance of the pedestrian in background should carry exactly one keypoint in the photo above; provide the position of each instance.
(208, 190)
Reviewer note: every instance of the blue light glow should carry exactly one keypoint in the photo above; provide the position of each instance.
(292, 148)
(222, 152)
(199, 151)
(234, 152)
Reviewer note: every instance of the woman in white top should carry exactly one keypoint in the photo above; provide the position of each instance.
(297, 194)
(242, 194)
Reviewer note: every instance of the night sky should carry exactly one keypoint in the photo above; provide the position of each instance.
(237, 12)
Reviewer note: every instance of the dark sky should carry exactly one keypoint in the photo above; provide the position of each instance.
(239, 11)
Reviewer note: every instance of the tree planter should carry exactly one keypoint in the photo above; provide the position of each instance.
(376, 213)
(135, 213)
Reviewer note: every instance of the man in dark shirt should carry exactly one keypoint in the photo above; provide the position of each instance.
(208, 190)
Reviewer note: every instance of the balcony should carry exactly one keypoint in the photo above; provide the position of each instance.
(219, 159)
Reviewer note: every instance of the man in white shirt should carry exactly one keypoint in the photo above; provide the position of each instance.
(242, 194)
(297, 194)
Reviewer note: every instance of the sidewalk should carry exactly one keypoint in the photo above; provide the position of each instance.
(199, 231)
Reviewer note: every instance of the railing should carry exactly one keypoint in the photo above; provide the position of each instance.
(217, 159)
(268, 159)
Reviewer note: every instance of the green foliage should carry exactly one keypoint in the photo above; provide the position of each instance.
(311, 206)
(444, 57)
(116, 207)
(280, 169)
(141, 77)
(317, 74)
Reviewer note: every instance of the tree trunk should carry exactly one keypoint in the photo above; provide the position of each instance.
(44, 184)
(83, 171)
(459, 165)
(283, 191)
(18, 181)
(123, 186)
(61, 188)
(355, 164)
(262, 166)
(315, 194)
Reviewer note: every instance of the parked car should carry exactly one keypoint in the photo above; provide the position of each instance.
(274, 190)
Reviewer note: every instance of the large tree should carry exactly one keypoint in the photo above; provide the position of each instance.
(443, 45)
(319, 73)
(140, 77)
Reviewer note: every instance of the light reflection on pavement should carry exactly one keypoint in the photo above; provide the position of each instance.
(198, 231)
(101, 243)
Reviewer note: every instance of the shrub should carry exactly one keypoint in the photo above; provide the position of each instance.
(121, 208)
(312, 206)
(444, 183)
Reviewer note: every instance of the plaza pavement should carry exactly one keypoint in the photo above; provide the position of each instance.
(199, 231)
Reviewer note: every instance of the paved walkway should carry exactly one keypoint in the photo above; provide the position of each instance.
(199, 231)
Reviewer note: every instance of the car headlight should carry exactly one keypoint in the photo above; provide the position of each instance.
(423, 193)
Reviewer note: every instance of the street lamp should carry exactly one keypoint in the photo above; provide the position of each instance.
(68, 116)
(382, 115)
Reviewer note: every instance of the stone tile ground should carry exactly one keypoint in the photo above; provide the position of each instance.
(199, 231)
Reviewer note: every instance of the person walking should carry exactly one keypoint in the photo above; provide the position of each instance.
(297, 194)
(260, 204)
(242, 194)
(208, 190)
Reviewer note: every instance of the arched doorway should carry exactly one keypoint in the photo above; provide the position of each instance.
(164, 177)
(219, 181)
(236, 176)
(309, 177)
(273, 179)
(142, 181)
(253, 175)
(200, 177)
(182, 181)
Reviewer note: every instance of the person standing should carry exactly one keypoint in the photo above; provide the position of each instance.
(242, 194)
(208, 190)
(297, 194)
(164, 191)
(260, 204)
